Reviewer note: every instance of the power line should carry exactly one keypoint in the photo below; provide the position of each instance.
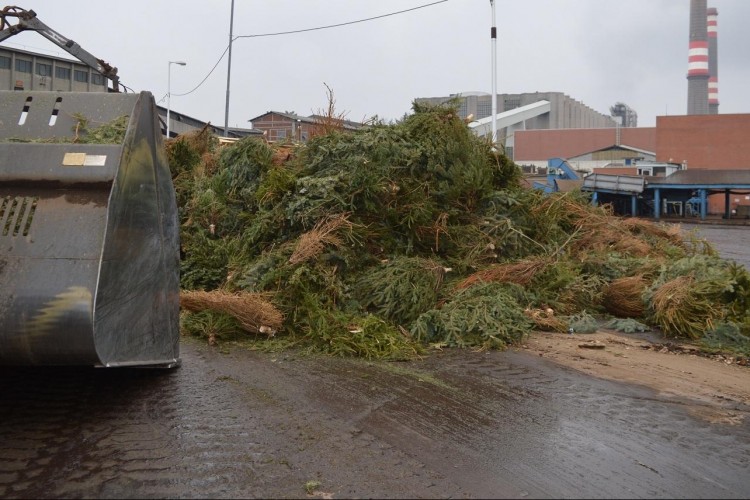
(206, 78)
(302, 31)
(341, 24)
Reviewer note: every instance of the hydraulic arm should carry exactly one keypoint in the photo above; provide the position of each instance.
(27, 20)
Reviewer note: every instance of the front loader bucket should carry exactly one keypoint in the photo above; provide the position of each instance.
(89, 240)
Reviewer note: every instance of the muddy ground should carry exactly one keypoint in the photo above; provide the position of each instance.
(548, 419)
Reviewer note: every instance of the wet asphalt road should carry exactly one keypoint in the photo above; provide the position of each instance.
(457, 424)
(732, 242)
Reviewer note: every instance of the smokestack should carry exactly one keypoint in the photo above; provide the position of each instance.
(698, 59)
(713, 61)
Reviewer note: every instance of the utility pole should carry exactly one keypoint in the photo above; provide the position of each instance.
(493, 36)
(229, 71)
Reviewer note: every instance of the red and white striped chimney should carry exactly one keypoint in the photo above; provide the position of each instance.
(713, 61)
(698, 60)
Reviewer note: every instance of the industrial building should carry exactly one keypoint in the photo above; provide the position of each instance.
(691, 165)
(23, 70)
(562, 112)
(624, 115)
(585, 149)
(534, 128)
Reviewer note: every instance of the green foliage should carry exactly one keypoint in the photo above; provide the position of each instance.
(311, 486)
(685, 307)
(429, 205)
(106, 133)
(719, 290)
(112, 132)
(319, 196)
(399, 290)
(344, 334)
(204, 266)
(211, 325)
(183, 158)
(265, 272)
(278, 182)
(487, 315)
(615, 265)
(566, 289)
(726, 337)
(242, 167)
(583, 322)
(627, 325)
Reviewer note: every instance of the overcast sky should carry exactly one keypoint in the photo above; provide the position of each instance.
(596, 51)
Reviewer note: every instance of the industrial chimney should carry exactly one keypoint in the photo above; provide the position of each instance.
(698, 59)
(713, 61)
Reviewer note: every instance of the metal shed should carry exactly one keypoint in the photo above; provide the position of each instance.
(681, 192)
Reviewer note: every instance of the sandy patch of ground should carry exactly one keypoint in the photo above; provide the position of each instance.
(716, 389)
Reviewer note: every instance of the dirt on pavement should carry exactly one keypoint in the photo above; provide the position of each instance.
(717, 384)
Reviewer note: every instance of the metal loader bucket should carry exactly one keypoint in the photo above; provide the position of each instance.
(89, 241)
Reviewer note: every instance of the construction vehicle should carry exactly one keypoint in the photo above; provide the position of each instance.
(89, 236)
(560, 177)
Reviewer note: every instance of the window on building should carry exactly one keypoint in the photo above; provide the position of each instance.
(4, 62)
(484, 109)
(280, 134)
(62, 73)
(512, 104)
(43, 69)
(23, 66)
(463, 108)
(80, 76)
(97, 79)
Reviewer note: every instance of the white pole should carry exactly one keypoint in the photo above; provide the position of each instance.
(229, 71)
(493, 35)
(169, 88)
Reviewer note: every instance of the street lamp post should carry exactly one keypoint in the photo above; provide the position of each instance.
(493, 36)
(169, 88)
(229, 71)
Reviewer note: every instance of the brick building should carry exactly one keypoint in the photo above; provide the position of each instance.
(696, 142)
(278, 126)
(585, 149)
(705, 141)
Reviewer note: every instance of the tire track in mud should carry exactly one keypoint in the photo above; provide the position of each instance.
(456, 424)
(510, 425)
(69, 432)
(195, 432)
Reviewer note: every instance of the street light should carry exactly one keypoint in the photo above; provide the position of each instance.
(493, 36)
(169, 87)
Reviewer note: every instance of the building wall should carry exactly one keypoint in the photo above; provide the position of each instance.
(276, 127)
(617, 170)
(713, 142)
(565, 112)
(21, 70)
(538, 145)
(704, 141)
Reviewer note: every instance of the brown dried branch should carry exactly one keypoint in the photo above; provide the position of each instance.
(622, 297)
(313, 242)
(521, 272)
(254, 312)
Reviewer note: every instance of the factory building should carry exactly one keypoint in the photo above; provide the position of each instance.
(23, 70)
(562, 112)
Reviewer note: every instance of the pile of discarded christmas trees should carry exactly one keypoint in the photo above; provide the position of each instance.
(382, 241)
